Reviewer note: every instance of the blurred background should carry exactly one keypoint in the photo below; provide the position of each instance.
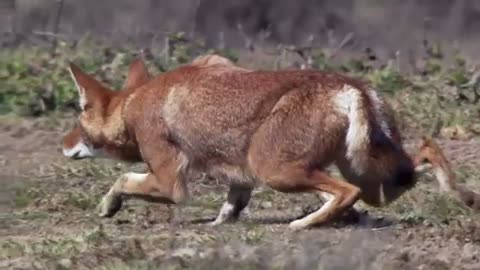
(386, 26)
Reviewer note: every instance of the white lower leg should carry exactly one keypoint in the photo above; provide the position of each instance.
(128, 183)
(238, 198)
(327, 196)
(225, 213)
(309, 219)
(113, 197)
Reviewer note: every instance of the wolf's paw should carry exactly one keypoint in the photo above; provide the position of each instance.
(110, 205)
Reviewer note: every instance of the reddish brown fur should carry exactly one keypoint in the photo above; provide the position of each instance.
(277, 127)
(137, 75)
(72, 138)
(430, 152)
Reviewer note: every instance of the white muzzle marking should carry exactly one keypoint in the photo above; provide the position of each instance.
(80, 150)
(423, 168)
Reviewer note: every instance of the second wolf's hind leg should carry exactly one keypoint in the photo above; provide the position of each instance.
(237, 200)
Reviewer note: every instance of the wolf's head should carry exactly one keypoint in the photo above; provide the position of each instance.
(97, 104)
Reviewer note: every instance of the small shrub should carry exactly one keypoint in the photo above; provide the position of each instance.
(387, 80)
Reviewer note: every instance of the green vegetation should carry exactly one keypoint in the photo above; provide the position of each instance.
(25, 196)
(52, 218)
(35, 82)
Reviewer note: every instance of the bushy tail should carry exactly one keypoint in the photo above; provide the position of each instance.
(364, 113)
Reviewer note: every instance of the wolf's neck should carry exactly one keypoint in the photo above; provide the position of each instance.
(445, 178)
(115, 125)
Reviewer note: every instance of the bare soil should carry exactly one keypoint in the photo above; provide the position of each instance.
(48, 219)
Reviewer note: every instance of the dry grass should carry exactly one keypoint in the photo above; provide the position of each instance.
(50, 219)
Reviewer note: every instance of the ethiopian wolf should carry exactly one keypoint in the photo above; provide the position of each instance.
(278, 128)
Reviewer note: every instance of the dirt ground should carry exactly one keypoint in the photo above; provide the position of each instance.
(48, 219)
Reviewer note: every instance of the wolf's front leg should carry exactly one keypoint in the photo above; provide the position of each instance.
(143, 186)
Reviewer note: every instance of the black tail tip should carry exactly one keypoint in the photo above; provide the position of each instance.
(405, 176)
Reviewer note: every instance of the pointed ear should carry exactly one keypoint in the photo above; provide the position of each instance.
(86, 85)
(137, 74)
